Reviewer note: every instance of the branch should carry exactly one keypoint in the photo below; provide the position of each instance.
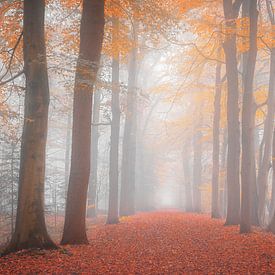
(12, 55)
(12, 78)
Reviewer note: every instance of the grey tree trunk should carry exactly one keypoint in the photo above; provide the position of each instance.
(113, 216)
(68, 153)
(91, 38)
(127, 192)
(271, 226)
(187, 178)
(264, 163)
(30, 228)
(91, 211)
(216, 145)
(248, 143)
(233, 157)
(197, 171)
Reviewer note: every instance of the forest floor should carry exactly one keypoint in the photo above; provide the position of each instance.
(155, 243)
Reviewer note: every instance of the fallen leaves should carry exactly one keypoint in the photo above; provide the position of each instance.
(155, 243)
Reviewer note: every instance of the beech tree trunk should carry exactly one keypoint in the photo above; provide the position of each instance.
(197, 170)
(91, 211)
(127, 192)
(271, 226)
(233, 157)
(91, 37)
(264, 163)
(113, 216)
(187, 178)
(216, 145)
(68, 153)
(30, 229)
(248, 125)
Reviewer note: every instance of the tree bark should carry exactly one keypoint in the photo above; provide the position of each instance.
(197, 171)
(187, 179)
(233, 157)
(271, 226)
(127, 192)
(248, 125)
(91, 211)
(91, 38)
(216, 145)
(30, 229)
(113, 217)
(264, 163)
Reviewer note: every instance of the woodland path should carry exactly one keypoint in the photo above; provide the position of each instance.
(155, 243)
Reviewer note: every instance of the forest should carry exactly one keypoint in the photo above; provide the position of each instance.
(137, 137)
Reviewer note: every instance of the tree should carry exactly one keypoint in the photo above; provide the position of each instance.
(127, 193)
(264, 165)
(231, 11)
(91, 211)
(216, 144)
(248, 124)
(91, 38)
(115, 129)
(30, 229)
(197, 170)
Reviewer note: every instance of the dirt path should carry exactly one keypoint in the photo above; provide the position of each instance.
(155, 243)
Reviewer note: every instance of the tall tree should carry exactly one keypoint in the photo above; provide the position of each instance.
(91, 38)
(115, 129)
(231, 11)
(216, 144)
(187, 178)
(271, 226)
(197, 170)
(127, 193)
(248, 124)
(264, 165)
(91, 211)
(30, 229)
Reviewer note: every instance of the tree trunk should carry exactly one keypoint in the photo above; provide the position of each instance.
(30, 229)
(91, 211)
(197, 170)
(233, 156)
(248, 124)
(127, 193)
(91, 37)
(115, 127)
(216, 145)
(68, 153)
(264, 163)
(187, 179)
(271, 226)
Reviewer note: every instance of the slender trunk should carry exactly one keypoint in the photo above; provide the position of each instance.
(91, 211)
(248, 124)
(67, 153)
(197, 170)
(254, 189)
(114, 150)
(271, 226)
(91, 38)
(216, 145)
(30, 229)
(264, 163)
(233, 156)
(223, 191)
(127, 193)
(187, 179)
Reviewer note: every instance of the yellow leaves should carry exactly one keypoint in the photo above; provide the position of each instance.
(187, 5)
(261, 94)
(124, 218)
